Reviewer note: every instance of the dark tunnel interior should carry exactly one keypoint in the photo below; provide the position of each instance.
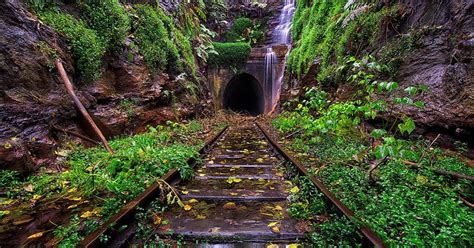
(244, 95)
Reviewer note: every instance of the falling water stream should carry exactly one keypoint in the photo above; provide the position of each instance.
(281, 36)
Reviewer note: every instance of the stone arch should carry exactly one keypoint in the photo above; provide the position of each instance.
(244, 94)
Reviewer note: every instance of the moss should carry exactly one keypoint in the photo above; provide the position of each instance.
(158, 50)
(87, 48)
(318, 33)
(238, 29)
(109, 19)
(230, 54)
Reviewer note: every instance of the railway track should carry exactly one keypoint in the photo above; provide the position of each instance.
(238, 197)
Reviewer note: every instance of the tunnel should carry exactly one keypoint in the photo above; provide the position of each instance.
(244, 95)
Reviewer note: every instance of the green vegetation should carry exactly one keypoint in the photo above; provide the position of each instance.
(87, 48)
(159, 51)
(109, 19)
(324, 30)
(237, 30)
(107, 181)
(105, 25)
(230, 54)
(244, 29)
(372, 173)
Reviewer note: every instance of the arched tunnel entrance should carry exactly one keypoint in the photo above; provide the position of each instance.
(244, 94)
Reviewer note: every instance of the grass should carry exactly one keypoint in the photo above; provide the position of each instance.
(93, 174)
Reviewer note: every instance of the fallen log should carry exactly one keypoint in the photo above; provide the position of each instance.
(441, 172)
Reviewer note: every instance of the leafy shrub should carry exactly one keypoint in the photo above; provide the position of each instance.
(155, 44)
(109, 19)
(87, 48)
(230, 54)
(396, 199)
(238, 28)
(183, 43)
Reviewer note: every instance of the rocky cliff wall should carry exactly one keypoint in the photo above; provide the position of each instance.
(34, 103)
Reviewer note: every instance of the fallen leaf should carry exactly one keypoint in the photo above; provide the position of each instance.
(276, 229)
(156, 219)
(260, 160)
(185, 192)
(214, 229)
(272, 224)
(36, 197)
(187, 207)
(192, 201)
(29, 188)
(230, 205)
(278, 208)
(233, 194)
(232, 180)
(23, 221)
(35, 236)
(200, 217)
(72, 206)
(295, 190)
(272, 246)
(293, 246)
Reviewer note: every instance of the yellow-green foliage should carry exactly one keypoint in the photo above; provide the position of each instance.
(87, 48)
(109, 19)
(161, 43)
(318, 34)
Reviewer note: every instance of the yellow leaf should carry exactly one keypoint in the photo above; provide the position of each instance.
(185, 192)
(72, 206)
(276, 229)
(75, 198)
(29, 188)
(272, 246)
(202, 174)
(4, 212)
(87, 214)
(295, 190)
(260, 160)
(272, 224)
(230, 205)
(156, 219)
(72, 190)
(89, 169)
(192, 201)
(165, 161)
(35, 236)
(36, 197)
(187, 207)
(233, 194)
(278, 208)
(7, 145)
(200, 217)
(293, 246)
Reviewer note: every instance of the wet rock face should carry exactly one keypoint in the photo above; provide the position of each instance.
(444, 63)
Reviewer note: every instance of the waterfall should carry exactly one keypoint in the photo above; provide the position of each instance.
(281, 36)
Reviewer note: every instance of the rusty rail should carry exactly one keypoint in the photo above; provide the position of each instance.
(77, 102)
(368, 234)
(126, 212)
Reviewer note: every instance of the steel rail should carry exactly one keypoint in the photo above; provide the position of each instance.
(126, 213)
(368, 234)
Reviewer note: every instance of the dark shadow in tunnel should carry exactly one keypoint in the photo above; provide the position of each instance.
(244, 94)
